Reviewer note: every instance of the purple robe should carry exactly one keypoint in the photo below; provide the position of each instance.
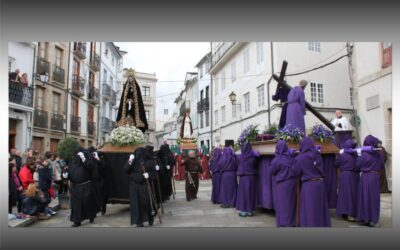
(282, 168)
(266, 183)
(348, 181)
(370, 163)
(228, 188)
(296, 109)
(216, 175)
(314, 211)
(282, 94)
(247, 189)
(330, 179)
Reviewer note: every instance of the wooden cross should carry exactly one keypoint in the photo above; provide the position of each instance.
(282, 83)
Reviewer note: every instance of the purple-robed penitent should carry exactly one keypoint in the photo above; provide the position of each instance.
(228, 188)
(282, 94)
(314, 211)
(266, 183)
(282, 168)
(348, 181)
(246, 200)
(216, 175)
(296, 109)
(330, 179)
(370, 163)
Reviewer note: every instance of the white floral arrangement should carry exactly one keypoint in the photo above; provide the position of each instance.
(127, 135)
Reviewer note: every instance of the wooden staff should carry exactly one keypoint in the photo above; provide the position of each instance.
(159, 192)
(151, 196)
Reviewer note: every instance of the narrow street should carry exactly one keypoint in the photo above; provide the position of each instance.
(200, 213)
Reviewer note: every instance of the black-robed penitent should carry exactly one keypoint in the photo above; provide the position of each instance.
(166, 158)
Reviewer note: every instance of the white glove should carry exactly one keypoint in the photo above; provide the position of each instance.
(157, 167)
(80, 154)
(65, 175)
(131, 158)
(341, 151)
(96, 155)
(168, 167)
(146, 175)
(359, 151)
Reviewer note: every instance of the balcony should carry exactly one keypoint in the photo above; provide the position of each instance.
(220, 52)
(185, 107)
(58, 74)
(19, 94)
(147, 100)
(107, 125)
(40, 119)
(106, 91)
(113, 97)
(94, 63)
(93, 95)
(80, 50)
(203, 105)
(57, 122)
(42, 66)
(75, 124)
(78, 86)
(91, 129)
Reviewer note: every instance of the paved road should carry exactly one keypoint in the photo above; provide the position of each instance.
(199, 213)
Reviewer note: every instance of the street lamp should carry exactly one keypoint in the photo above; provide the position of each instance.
(232, 97)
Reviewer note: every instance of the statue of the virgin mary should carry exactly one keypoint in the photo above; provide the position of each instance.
(186, 127)
(131, 109)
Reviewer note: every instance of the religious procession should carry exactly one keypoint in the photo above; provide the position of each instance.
(331, 174)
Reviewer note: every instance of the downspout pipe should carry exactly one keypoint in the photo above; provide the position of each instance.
(269, 81)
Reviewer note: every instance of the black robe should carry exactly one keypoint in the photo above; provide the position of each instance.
(166, 158)
(136, 116)
(83, 200)
(97, 177)
(139, 196)
(155, 182)
(192, 168)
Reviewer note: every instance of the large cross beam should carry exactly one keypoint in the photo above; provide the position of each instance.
(282, 83)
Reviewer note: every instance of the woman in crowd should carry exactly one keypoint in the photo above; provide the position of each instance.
(247, 189)
(15, 189)
(34, 202)
(26, 173)
(282, 168)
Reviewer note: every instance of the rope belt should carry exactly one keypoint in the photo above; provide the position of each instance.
(80, 184)
(372, 171)
(314, 179)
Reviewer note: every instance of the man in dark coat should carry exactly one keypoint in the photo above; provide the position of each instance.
(282, 95)
(167, 161)
(192, 168)
(131, 109)
(140, 170)
(83, 200)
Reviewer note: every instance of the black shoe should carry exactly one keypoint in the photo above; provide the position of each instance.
(140, 225)
(103, 210)
(91, 220)
(188, 199)
(151, 221)
(76, 224)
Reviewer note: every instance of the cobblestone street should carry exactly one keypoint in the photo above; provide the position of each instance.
(199, 213)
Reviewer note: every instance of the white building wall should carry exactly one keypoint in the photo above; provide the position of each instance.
(22, 57)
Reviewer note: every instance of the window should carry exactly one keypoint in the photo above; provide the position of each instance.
(105, 75)
(147, 115)
(201, 95)
(207, 114)
(246, 61)
(314, 46)
(201, 70)
(234, 111)
(112, 82)
(75, 107)
(43, 49)
(260, 91)
(59, 53)
(247, 103)
(313, 92)
(40, 98)
(223, 114)
(216, 85)
(260, 52)
(201, 120)
(207, 66)
(320, 93)
(90, 113)
(233, 72)
(165, 111)
(76, 68)
(146, 91)
(223, 81)
(56, 102)
(351, 97)
(207, 92)
(386, 54)
(216, 117)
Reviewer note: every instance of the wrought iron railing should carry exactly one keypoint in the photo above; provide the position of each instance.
(58, 74)
(19, 94)
(78, 85)
(113, 97)
(94, 63)
(57, 122)
(80, 49)
(75, 124)
(221, 51)
(40, 119)
(93, 95)
(106, 91)
(91, 129)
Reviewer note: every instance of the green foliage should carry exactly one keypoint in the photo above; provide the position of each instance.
(272, 129)
(67, 147)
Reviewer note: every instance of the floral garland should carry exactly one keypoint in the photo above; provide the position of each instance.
(127, 135)
(290, 133)
(249, 134)
(180, 141)
(321, 133)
